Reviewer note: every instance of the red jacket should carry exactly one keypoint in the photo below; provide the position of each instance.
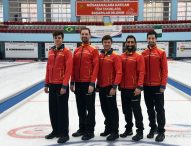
(133, 68)
(59, 66)
(156, 68)
(85, 64)
(110, 69)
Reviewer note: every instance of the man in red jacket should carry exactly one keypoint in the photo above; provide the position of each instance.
(133, 68)
(85, 70)
(110, 72)
(58, 72)
(154, 85)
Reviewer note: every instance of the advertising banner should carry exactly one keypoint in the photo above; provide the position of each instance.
(109, 8)
(21, 50)
(100, 31)
(183, 49)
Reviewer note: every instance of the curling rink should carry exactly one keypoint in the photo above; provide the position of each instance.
(27, 122)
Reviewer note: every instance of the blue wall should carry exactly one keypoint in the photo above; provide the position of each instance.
(47, 37)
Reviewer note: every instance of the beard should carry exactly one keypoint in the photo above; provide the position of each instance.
(131, 48)
(151, 44)
(85, 40)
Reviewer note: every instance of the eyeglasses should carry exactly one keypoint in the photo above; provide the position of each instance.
(57, 38)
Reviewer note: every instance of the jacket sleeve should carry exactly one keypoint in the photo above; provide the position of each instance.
(140, 71)
(95, 66)
(68, 69)
(118, 70)
(164, 69)
(99, 73)
(73, 66)
(47, 75)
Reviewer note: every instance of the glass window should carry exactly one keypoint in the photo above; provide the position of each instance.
(157, 9)
(1, 11)
(57, 10)
(23, 10)
(184, 10)
(29, 12)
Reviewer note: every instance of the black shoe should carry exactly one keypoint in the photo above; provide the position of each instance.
(87, 136)
(137, 137)
(78, 133)
(160, 137)
(105, 133)
(112, 137)
(50, 136)
(152, 133)
(126, 133)
(63, 139)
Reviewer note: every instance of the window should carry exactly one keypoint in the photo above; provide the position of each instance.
(184, 10)
(23, 10)
(29, 12)
(157, 9)
(57, 10)
(1, 11)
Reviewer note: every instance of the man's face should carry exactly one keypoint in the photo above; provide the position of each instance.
(85, 36)
(58, 40)
(151, 39)
(130, 44)
(107, 44)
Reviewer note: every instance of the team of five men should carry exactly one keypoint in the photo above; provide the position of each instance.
(104, 72)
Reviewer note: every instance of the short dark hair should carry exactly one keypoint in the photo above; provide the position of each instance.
(85, 28)
(107, 37)
(131, 37)
(152, 32)
(58, 32)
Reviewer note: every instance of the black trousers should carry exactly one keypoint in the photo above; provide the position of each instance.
(58, 110)
(86, 107)
(154, 100)
(109, 109)
(131, 105)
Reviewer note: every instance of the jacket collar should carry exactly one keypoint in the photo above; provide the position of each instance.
(85, 44)
(59, 48)
(129, 53)
(152, 48)
(108, 52)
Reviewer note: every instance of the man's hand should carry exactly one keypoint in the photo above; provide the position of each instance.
(46, 90)
(72, 88)
(162, 90)
(62, 91)
(137, 92)
(90, 89)
(112, 92)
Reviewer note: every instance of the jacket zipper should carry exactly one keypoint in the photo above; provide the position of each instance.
(55, 54)
(102, 69)
(135, 77)
(150, 66)
(125, 71)
(81, 61)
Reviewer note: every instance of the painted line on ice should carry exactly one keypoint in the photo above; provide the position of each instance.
(16, 99)
(182, 87)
